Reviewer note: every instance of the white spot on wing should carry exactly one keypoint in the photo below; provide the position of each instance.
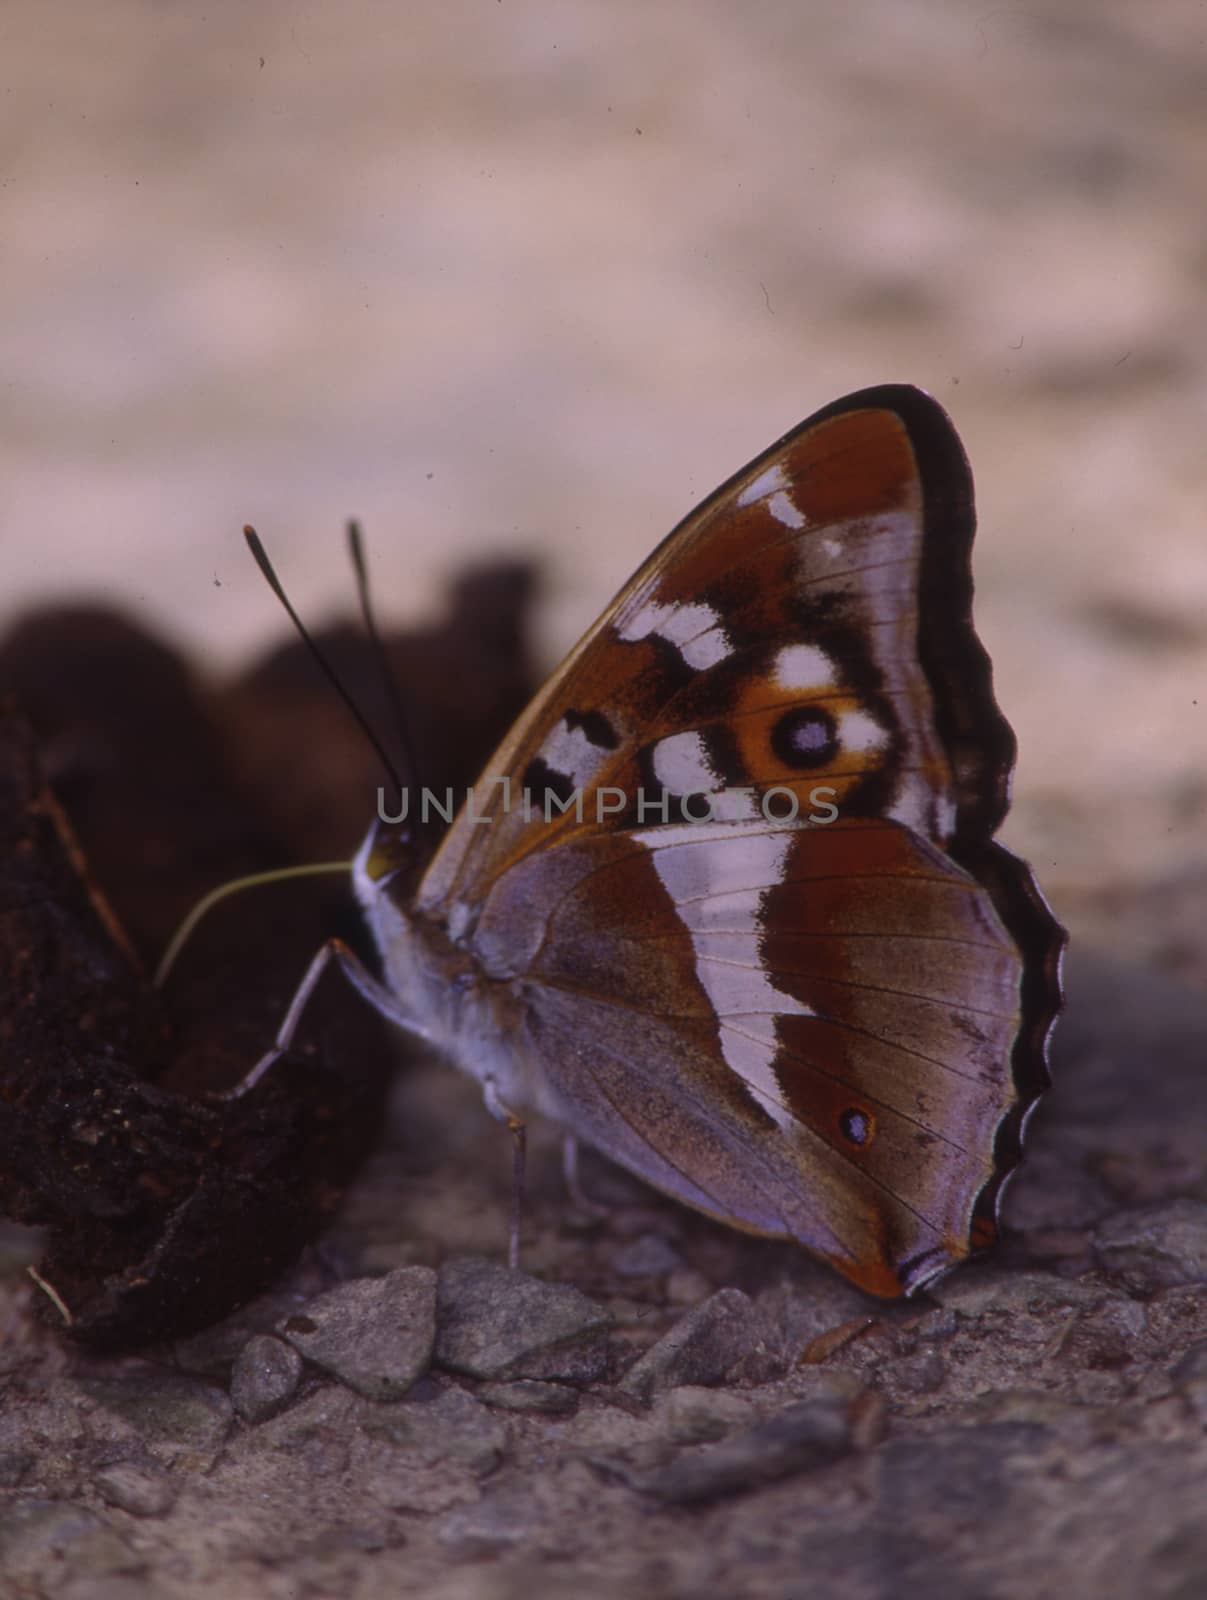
(912, 809)
(719, 883)
(766, 483)
(682, 765)
(735, 805)
(696, 861)
(643, 622)
(722, 914)
(783, 509)
(858, 731)
(804, 666)
(880, 555)
(700, 649)
(570, 752)
(751, 1059)
(773, 486)
(930, 814)
(694, 630)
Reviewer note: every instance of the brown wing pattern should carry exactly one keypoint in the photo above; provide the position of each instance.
(832, 1033)
(824, 1015)
(771, 640)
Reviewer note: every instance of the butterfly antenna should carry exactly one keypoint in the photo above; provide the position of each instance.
(274, 583)
(356, 551)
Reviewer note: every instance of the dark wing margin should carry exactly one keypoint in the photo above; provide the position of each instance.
(982, 747)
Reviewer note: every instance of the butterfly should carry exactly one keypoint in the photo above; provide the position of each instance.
(726, 904)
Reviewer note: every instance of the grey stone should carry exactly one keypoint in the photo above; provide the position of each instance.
(530, 1394)
(1039, 1406)
(320, 1423)
(801, 1437)
(454, 1428)
(497, 1524)
(922, 1373)
(648, 1256)
(265, 1378)
(373, 1334)
(211, 1352)
(759, 1364)
(496, 1323)
(701, 1348)
(938, 1324)
(1107, 1336)
(993, 1291)
(687, 1287)
(1156, 1248)
(139, 1488)
(700, 1416)
(607, 1431)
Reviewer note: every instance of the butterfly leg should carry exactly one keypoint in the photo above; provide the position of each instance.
(519, 1133)
(361, 979)
(579, 1198)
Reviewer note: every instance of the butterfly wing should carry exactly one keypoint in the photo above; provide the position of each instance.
(809, 625)
(829, 1032)
(803, 1031)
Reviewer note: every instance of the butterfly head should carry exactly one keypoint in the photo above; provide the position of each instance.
(392, 859)
(385, 872)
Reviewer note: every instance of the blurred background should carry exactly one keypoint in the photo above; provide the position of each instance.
(511, 276)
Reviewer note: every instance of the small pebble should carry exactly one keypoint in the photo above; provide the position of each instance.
(1157, 1248)
(921, 1374)
(265, 1378)
(496, 1323)
(529, 1394)
(649, 1256)
(687, 1287)
(143, 1491)
(801, 1437)
(454, 1428)
(700, 1416)
(701, 1348)
(373, 1334)
(492, 1527)
(1193, 1365)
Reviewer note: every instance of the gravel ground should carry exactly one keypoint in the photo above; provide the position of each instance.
(654, 1405)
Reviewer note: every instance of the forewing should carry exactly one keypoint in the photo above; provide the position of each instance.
(807, 627)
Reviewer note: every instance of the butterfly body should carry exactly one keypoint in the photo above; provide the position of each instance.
(439, 990)
(726, 903)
